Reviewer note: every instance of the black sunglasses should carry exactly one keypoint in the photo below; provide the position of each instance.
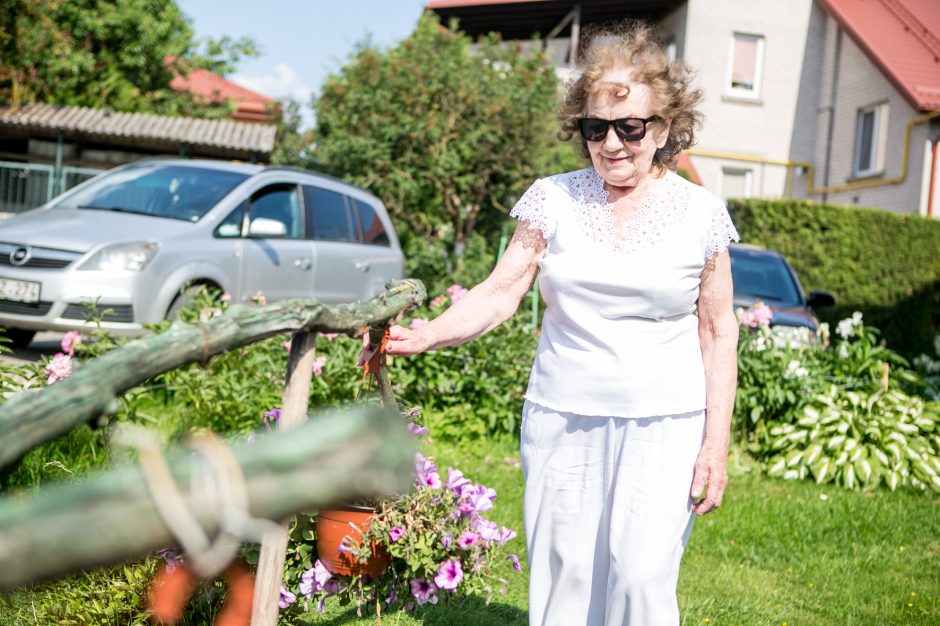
(627, 128)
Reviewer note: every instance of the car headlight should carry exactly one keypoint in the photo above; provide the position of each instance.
(126, 257)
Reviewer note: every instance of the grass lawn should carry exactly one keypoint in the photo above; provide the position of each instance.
(777, 552)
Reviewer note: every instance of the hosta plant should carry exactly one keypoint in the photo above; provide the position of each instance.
(861, 439)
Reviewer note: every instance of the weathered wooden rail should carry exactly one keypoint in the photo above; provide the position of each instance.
(111, 516)
(30, 419)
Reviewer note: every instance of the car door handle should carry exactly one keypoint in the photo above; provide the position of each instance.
(361, 265)
(304, 263)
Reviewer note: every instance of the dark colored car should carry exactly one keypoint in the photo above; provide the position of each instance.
(765, 275)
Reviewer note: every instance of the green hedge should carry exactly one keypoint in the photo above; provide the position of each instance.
(886, 265)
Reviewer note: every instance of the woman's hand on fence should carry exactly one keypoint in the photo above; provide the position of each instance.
(401, 342)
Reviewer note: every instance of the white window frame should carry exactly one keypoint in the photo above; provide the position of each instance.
(879, 137)
(748, 180)
(740, 92)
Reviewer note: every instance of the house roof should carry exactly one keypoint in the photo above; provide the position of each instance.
(521, 19)
(901, 38)
(228, 138)
(210, 87)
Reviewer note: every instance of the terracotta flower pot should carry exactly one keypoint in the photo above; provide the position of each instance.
(332, 526)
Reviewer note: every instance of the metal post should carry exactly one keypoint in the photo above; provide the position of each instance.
(57, 182)
(575, 36)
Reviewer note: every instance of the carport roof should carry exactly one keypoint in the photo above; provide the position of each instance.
(223, 138)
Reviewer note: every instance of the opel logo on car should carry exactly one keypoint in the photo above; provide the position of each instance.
(20, 256)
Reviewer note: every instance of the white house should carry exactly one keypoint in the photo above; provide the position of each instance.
(833, 100)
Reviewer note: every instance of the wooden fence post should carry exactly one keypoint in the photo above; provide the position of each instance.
(270, 571)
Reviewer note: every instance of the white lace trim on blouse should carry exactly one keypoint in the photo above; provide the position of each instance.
(663, 208)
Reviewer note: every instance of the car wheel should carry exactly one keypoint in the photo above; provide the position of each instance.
(19, 337)
(186, 298)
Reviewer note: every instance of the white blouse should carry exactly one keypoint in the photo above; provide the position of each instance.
(619, 334)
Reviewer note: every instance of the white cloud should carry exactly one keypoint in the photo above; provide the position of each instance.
(282, 82)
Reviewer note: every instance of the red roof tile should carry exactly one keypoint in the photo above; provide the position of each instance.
(901, 38)
(684, 162)
(211, 87)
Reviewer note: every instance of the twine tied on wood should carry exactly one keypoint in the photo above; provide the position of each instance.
(221, 486)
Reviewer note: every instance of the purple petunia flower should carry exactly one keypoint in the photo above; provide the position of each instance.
(417, 429)
(392, 597)
(480, 497)
(447, 539)
(489, 530)
(286, 599)
(505, 534)
(467, 538)
(274, 415)
(424, 591)
(449, 574)
(426, 472)
(456, 481)
(515, 562)
(396, 533)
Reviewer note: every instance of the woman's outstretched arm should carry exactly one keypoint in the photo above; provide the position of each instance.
(485, 307)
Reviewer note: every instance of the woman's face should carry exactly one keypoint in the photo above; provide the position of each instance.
(625, 164)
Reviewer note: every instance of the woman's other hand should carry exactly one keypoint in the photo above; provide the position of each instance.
(710, 478)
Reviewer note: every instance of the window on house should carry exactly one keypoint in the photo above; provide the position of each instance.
(735, 183)
(870, 127)
(744, 66)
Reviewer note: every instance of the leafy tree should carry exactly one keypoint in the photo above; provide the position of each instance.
(99, 53)
(447, 132)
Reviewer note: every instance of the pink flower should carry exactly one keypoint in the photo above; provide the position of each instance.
(287, 345)
(426, 472)
(58, 368)
(467, 539)
(286, 599)
(395, 533)
(71, 339)
(456, 292)
(225, 297)
(489, 530)
(417, 323)
(424, 591)
(318, 364)
(449, 574)
(259, 298)
(758, 315)
(328, 336)
(438, 301)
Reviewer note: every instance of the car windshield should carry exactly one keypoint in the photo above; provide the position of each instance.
(178, 192)
(765, 277)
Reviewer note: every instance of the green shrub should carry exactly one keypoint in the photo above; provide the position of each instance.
(883, 264)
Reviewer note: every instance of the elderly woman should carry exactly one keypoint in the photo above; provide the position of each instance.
(626, 421)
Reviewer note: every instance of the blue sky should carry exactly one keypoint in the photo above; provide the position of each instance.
(301, 41)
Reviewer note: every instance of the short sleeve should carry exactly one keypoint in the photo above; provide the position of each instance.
(721, 230)
(533, 208)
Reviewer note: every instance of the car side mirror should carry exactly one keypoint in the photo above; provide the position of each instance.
(820, 298)
(266, 227)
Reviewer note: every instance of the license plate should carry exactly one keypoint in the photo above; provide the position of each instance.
(19, 290)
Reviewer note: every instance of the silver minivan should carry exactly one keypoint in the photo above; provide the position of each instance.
(132, 239)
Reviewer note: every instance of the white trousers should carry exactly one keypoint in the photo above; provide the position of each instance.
(607, 515)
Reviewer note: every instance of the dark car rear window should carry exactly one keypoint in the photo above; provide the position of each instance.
(176, 192)
(764, 276)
